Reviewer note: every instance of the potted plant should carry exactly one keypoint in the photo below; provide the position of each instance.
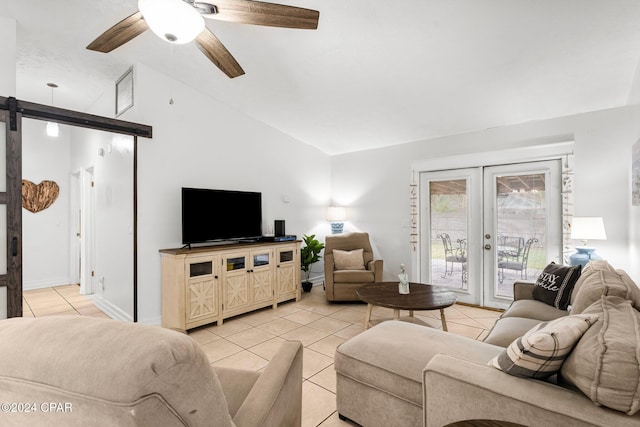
(309, 254)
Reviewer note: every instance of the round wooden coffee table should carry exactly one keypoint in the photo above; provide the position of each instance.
(420, 297)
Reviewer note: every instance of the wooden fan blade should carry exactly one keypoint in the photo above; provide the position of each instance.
(269, 14)
(218, 54)
(125, 30)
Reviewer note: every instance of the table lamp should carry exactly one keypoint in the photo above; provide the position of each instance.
(336, 215)
(586, 228)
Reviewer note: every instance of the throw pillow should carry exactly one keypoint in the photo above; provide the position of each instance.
(555, 283)
(540, 352)
(600, 278)
(348, 260)
(605, 364)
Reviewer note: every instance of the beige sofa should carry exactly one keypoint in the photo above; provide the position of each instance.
(81, 371)
(402, 374)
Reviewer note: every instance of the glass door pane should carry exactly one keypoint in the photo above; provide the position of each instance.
(522, 225)
(449, 210)
(450, 225)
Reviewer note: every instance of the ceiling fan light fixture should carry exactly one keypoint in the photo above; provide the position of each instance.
(172, 20)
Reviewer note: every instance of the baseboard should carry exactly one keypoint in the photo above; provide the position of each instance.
(317, 280)
(110, 309)
(155, 321)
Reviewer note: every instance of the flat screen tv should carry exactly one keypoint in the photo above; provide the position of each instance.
(216, 215)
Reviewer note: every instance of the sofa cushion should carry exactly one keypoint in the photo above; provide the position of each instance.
(533, 309)
(605, 364)
(539, 353)
(555, 283)
(353, 276)
(348, 260)
(600, 278)
(508, 329)
(392, 355)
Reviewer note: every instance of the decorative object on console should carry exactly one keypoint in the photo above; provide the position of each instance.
(36, 198)
(309, 254)
(336, 215)
(278, 227)
(403, 286)
(586, 228)
(555, 283)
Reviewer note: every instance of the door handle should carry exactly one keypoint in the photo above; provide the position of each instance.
(14, 246)
(487, 247)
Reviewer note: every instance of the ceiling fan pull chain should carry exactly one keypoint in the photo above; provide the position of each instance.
(172, 77)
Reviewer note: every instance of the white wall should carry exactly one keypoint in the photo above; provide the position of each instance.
(374, 184)
(113, 176)
(199, 142)
(7, 57)
(45, 234)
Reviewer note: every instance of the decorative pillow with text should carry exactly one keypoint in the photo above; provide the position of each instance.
(555, 283)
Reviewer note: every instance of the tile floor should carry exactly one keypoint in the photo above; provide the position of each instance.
(249, 341)
(59, 300)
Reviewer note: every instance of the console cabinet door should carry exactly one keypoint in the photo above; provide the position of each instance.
(261, 278)
(201, 290)
(235, 288)
(286, 282)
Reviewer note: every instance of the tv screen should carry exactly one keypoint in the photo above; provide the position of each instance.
(213, 215)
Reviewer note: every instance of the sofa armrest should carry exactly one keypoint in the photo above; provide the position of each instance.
(523, 290)
(276, 397)
(376, 266)
(483, 392)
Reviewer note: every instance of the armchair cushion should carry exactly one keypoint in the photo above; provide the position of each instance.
(540, 352)
(348, 260)
(354, 276)
(555, 283)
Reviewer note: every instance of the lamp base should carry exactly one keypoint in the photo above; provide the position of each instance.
(336, 227)
(583, 256)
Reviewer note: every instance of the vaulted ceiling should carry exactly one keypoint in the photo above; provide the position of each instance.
(374, 73)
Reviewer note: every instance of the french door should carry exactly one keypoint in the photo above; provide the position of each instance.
(484, 228)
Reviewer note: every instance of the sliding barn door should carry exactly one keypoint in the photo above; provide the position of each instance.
(10, 216)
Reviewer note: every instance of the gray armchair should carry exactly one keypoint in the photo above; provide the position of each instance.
(341, 285)
(108, 372)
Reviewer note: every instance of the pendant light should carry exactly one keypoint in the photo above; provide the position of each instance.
(52, 127)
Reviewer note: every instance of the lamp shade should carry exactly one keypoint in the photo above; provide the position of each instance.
(336, 213)
(52, 129)
(172, 20)
(588, 228)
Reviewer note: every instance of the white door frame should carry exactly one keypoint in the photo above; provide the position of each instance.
(87, 205)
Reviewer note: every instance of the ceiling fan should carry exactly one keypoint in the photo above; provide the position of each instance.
(180, 21)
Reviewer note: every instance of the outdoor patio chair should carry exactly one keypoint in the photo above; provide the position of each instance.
(517, 263)
(457, 254)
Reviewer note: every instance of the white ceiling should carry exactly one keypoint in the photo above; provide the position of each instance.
(375, 73)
